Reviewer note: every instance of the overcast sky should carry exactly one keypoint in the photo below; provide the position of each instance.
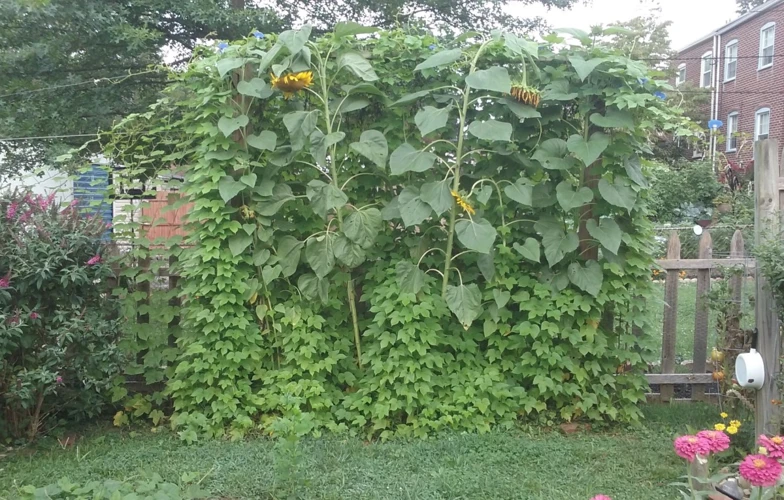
(692, 19)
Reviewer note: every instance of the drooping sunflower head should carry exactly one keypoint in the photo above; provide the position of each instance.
(463, 203)
(291, 83)
(526, 95)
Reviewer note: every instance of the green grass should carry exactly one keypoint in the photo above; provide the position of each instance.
(623, 463)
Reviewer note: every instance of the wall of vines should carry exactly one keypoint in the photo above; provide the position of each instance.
(395, 234)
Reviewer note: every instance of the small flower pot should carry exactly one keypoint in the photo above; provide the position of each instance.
(704, 222)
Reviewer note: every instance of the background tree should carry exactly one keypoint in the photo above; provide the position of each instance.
(643, 37)
(746, 5)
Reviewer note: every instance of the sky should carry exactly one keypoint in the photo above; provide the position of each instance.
(692, 19)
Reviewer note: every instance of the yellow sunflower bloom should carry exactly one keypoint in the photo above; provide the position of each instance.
(719, 427)
(723, 415)
(732, 430)
(735, 423)
(291, 83)
(463, 203)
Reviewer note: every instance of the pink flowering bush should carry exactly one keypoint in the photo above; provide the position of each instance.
(59, 329)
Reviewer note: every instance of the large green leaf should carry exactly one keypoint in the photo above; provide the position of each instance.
(520, 191)
(406, 158)
(288, 254)
(483, 193)
(557, 243)
(413, 96)
(270, 273)
(486, 264)
(227, 64)
(589, 278)
(634, 171)
(362, 226)
(413, 210)
(530, 249)
(249, 179)
(410, 278)
(353, 103)
(476, 234)
(521, 110)
(265, 140)
(319, 143)
(348, 252)
(490, 130)
(501, 297)
(239, 242)
(269, 206)
(295, 40)
(320, 254)
(438, 195)
(357, 65)
(607, 232)
(440, 59)
(255, 87)
(614, 118)
(363, 88)
(494, 78)
(324, 197)
(588, 151)
(584, 68)
(372, 145)
(431, 118)
(579, 34)
(543, 196)
(270, 56)
(521, 46)
(313, 287)
(558, 90)
(350, 28)
(569, 198)
(465, 301)
(229, 188)
(229, 125)
(300, 125)
(619, 193)
(552, 154)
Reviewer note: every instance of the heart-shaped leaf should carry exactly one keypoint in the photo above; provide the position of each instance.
(229, 125)
(357, 65)
(320, 254)
(490, 130)
(249, 179)
(300, 125)
(569, 198)
(269, 206)
(295, 40)
(476, 234)
(543, 196)
(501, 297)
(440, 59)
(413, 96)
(413, 210)
(579, 34)
(558, 90)
(465, 301)
(265, 140)
(288, 254)
(522, 111)
(589, 278)
(521, 46)
(557, 243)
(494, 78)
(430, 118)
(372, 145)
(607, 232)
(228, 188)
(486, 264)
(239, 242)
(313, 287)
(319, 143)
(350, 28)
(255, 87)
(552, 154)
(584, 68)
(634, 171)
(520, 191)
(483, 193)
(614, 118)
(348, 252)
(261, 256)
(438, 195)
(227, 64)
(362, 226)
(270, 273)
(324, 197)
(353, 103)
(619, 193)
(410, 278)
(529, 250)
(590, 150)
(406, 158)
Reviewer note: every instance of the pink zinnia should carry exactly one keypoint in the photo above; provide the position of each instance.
(601, 497)
(59, 380)
(689, 446)
(34, 315)
(760, 470)
(94, 260)
(774, 445)
(718, 440)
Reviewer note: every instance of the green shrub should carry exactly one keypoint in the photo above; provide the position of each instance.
(153, 487)
(687, 185)
(58, 330)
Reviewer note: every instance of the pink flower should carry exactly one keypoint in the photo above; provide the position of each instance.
(689, 446)
(94, 260)
(718, 440)
(59, 380)
(5, 281)
(760, 470)
(10, 212)
(774, 445)
(601, 497)
(34, 315)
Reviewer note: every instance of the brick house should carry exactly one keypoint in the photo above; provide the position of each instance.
(741, 65)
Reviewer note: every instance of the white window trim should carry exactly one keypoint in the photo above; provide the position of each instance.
(773, 55)
(732, 115)
(759, 112)
(678, 81)
(733, 43)
(706, 58)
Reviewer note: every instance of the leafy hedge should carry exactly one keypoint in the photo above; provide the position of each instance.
(418, 234)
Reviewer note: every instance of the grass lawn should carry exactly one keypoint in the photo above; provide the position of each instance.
(627, 464)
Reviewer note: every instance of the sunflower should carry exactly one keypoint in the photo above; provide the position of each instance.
(463, 203)
(526, 95)
(291, 83)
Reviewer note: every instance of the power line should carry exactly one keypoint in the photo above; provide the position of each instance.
(97, 81)
(45, 137)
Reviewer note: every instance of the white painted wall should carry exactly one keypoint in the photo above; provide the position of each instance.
(43, 182)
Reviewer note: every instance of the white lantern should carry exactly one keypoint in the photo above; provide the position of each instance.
(750, 370)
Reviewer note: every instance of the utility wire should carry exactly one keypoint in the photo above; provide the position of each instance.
(3, 139)
(110, 79)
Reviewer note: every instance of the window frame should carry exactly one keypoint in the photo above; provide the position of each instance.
(757, 115)
(678, 79)
(732, 44)
(706, 58)
(732, 140)
(767, 26)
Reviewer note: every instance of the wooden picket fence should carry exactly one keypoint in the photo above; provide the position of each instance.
(699, 376)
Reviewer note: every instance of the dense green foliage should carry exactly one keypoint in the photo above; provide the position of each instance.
(58, 332)
(404, 247)
(153, 487)
(684, 193)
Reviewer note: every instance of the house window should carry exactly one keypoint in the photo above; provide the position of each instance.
(680, 76)
(762, 124)
(767, 40)
(731, 61)
(706, 70)
(732, 132)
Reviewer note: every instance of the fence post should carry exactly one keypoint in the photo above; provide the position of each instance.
(766, 179)
(670, 329)
(701, 316)
(737, 251)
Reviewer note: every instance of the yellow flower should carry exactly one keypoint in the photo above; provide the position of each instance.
(719, 427)
(762, 450)
(732, 430)
(292, 83)
(723, 415)
(735, 423)
(463, 203)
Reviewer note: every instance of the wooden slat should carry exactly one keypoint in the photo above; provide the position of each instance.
(701, 264)
(766, 186)
(678, 378)
(653, 397)
(737, 249)
(670, 314)
(701, 315)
